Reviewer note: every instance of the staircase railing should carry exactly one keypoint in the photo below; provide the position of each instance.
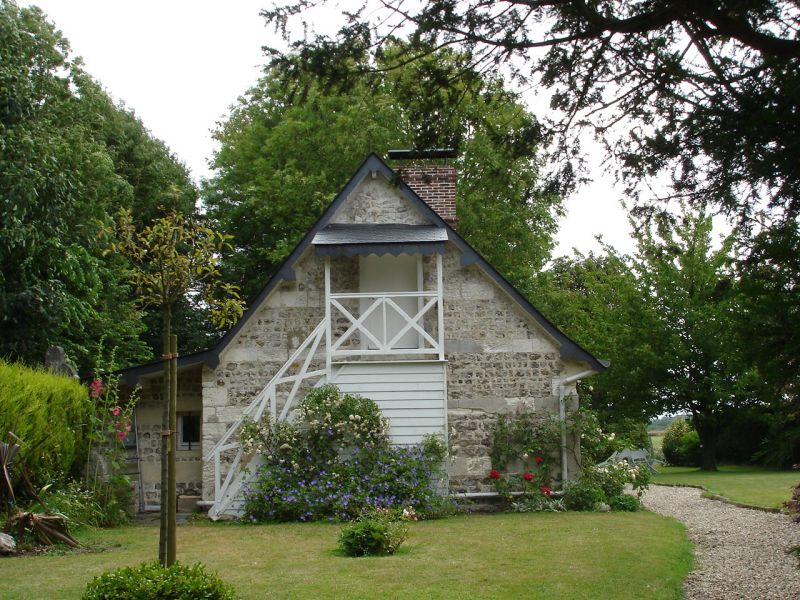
(268, 396)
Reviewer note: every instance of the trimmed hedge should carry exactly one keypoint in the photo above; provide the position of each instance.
(50, 415)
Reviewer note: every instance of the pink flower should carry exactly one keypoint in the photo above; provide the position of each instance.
(128, 428)
(95, 388)
(121, 435)
(116, 410)
(539, 460)
(528, 476)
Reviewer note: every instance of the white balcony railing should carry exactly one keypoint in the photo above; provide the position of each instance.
(396, 323)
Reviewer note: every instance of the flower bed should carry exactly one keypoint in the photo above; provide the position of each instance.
(336, 462)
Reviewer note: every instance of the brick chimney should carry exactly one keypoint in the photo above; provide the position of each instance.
(433, 183)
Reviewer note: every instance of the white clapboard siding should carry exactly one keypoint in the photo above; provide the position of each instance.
(412, 395)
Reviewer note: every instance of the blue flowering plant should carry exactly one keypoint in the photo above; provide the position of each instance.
(335, 461)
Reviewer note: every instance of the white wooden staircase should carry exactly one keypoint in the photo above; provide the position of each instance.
(410, 390)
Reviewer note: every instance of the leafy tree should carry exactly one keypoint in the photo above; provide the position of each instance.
(56, 186)
(705, 92)
(667, 318)
(171, 258)
(70, 159)
(598, 301)
(769, 323)
(294, 139)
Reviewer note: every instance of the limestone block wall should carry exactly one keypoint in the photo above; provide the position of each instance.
(148, 420)
(498, 358)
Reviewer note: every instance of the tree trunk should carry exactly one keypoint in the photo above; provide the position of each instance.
(708, 432)
(172, 495)
(166, 326)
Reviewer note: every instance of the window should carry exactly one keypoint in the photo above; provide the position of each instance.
(188, 431)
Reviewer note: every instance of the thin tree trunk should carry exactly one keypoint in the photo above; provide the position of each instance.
(166, 326)
(172, 495)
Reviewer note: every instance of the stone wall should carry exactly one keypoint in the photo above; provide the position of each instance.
(148, 420)
(373, 201)
(498, 359)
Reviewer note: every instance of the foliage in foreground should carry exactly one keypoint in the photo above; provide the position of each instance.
(337, 462)
(151, 581)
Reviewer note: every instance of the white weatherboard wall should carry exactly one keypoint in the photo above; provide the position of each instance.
(411, 394)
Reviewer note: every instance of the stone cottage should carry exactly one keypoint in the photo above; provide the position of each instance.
(383, 298)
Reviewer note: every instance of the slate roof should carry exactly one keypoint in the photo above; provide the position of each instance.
(371, 166)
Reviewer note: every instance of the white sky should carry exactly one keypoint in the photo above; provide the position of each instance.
(179, 64)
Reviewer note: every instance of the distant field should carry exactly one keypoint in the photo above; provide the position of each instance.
(657, 438)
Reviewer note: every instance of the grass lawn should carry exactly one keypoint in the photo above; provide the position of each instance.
(751, 485)
(562, 555)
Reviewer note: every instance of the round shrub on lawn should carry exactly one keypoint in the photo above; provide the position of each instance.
(151, 581)
(373, 536)
(681, 444)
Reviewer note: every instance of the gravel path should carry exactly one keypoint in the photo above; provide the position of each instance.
(739, 552)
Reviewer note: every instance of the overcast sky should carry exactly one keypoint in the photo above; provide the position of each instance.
(179, 64)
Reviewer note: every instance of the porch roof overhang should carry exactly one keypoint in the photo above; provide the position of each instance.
(338, 239)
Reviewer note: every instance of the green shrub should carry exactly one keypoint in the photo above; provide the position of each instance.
(681, 444)
(624, 503)
(106, 504)
(150, 581)
(50, 415)
(582, 495)
(377, 533)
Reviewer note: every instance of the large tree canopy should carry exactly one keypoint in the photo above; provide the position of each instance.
(294, 139)
(670, 318)
(69, 158)
(705, 92)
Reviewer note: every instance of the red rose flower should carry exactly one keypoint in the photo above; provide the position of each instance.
(546, 490)
(528, 476)
(494, 474)
(539, 460)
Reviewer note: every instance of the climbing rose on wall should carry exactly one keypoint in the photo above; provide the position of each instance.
(528, 476)
(494, 474)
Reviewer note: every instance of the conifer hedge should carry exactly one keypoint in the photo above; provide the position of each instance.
(50, 415)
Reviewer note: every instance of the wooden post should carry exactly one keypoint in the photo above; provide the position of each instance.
(440, 298)
(328, 326)
(172, 496)
(166, 326)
